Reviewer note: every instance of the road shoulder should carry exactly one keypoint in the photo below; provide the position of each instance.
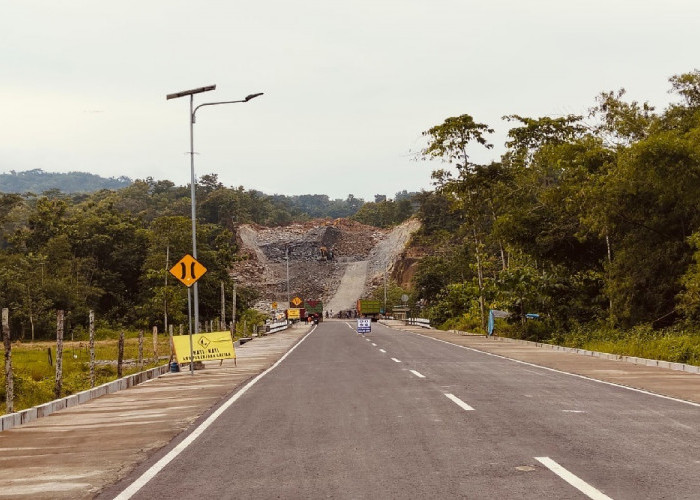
(663, 381)
(76, 452)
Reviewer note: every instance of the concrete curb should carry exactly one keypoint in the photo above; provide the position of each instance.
(603, 355)
(22, 417)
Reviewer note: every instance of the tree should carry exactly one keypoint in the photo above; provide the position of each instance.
(450, 141)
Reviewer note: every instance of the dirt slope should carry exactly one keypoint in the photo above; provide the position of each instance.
(361, 254)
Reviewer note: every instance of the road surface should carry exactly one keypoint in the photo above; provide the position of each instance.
(397, 415)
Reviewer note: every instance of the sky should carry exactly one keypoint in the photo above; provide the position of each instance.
(349, 87)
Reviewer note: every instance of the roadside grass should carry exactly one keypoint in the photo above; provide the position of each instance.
(676, 344)
(34, 377)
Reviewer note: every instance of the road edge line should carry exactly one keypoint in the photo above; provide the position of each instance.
(146, 477)
(584, 377)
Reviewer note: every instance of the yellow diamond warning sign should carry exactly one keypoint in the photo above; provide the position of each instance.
(188, 270)
(296, 301)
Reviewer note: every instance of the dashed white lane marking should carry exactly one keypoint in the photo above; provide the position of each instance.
(584, 377)
(419, 375)
(459, 402)
(375, 345)
(572, 479)
(396, 360)
(382, 350)
(134, 487)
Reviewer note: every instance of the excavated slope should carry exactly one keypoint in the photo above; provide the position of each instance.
(361, 256)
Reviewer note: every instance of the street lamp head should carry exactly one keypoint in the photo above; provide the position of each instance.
(190, 92)
(252, 96)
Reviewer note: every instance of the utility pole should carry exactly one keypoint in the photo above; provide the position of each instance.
(286, 256)
(223, 307)
(386, 268)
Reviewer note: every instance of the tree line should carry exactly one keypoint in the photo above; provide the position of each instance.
(110, 250)
(584, 220)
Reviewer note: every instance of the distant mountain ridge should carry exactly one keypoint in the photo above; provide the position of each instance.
(37, 181)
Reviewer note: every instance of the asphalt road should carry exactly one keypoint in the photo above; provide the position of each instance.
(398, 415)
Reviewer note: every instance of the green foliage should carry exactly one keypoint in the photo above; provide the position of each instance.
(450, 140)
(584, 223)
(677, 344)
(394, 292)
(384, 213)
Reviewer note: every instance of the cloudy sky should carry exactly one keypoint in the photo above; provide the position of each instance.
(349, 86)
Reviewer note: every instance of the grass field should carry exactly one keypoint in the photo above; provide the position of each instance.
(34, 377)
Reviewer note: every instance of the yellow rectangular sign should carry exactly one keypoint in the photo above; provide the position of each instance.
(293, 313)
(205, 347)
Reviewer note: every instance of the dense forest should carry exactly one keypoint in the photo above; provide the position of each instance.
(588, 221)
(109, 251)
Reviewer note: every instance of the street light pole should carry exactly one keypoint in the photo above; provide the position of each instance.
(193, 194)
(193, 111)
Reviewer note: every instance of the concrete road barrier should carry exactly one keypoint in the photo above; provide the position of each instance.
(22, 417)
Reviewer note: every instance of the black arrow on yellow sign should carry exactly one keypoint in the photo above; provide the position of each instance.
(188, 270)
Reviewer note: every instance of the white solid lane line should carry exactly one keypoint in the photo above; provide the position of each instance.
(572, 479)
(554, 370)
(396, 360)
(419, 375)
(139, 483)
(459, 402)
(382, 350)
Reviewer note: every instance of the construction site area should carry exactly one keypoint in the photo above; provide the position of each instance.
(334, 260)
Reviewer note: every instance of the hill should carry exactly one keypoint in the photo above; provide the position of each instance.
(38, 181)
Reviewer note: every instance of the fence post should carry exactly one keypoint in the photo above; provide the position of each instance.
(155, 344)
(233, 309)
(9, 380)
(120, 354)
(172, 347)
(140, 349)
(92, 348)
(59, 354)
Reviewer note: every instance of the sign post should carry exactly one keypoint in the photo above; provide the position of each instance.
(188, 270)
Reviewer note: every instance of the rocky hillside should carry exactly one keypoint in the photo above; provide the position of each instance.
(357, 248)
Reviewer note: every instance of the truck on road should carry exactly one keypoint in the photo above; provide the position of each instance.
(369, 308)
(314, 308)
